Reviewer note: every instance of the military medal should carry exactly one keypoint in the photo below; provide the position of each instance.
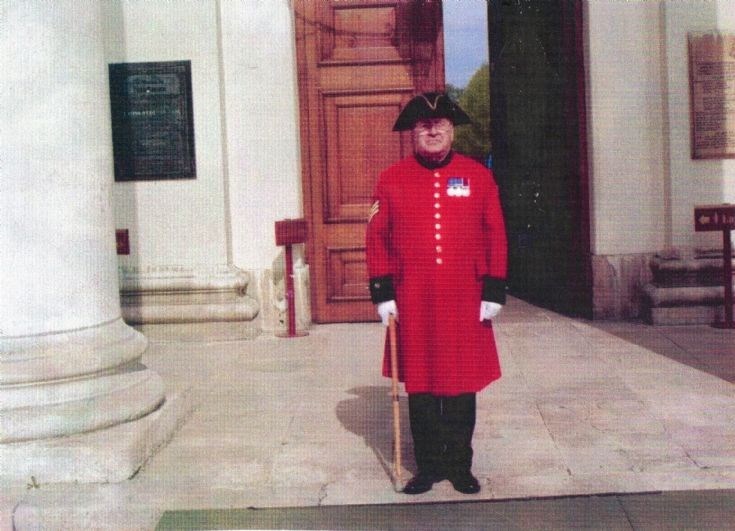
(458, 187)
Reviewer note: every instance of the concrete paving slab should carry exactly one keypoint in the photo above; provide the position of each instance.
(582, 408)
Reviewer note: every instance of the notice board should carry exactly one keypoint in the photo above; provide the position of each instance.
(712, 95)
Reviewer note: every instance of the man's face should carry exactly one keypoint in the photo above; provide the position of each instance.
(433, 137)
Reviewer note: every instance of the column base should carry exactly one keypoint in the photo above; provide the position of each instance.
(182, 295)
(66, 383)
(110, 455)
(198, 332)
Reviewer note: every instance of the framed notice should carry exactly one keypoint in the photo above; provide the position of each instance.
(712, 95)
(152, 121)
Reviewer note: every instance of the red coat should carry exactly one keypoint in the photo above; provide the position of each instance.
(438, 233)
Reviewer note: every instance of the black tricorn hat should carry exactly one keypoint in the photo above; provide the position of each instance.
(430, 105)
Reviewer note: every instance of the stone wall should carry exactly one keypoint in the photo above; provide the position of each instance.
(618, 282)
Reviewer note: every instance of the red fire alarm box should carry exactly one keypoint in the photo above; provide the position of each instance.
(123, 241)
(290, 231)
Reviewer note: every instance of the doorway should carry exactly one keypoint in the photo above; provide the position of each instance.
(539, 149)
(360, 61)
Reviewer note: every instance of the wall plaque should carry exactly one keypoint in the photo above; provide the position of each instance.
(152, 121)
(712, 95)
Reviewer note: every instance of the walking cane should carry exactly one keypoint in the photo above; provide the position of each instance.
(396, 410)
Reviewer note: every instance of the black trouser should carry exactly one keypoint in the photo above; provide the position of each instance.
(442, 428)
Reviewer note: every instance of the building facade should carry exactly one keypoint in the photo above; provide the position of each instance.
(203, 248)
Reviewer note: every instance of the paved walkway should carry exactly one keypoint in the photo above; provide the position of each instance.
(582, 409)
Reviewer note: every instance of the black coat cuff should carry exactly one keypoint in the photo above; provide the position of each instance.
(493, 290)
(381, 289)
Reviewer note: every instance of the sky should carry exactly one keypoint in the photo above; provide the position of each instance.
(465, 39)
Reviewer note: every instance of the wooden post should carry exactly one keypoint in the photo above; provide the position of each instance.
(727, 273)
(290, 296)
(720, 217)
(396, 405)
(289, 232)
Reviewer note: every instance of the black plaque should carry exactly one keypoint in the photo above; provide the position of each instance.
(152, 121)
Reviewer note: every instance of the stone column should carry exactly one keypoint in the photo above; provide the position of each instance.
(68, 362)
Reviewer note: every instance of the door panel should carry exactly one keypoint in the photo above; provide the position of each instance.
(359, 62)
(361, 32)
(347, 265)
(354, 150)
(539, 150)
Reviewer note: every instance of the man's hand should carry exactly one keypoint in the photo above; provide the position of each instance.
(489, 310)
(386, 309)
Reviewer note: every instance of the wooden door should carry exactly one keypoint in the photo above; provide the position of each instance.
(359, 62)
(539, 149)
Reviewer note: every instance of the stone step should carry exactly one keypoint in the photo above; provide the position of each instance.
(684, 315)
(683, 305)
(697, 271)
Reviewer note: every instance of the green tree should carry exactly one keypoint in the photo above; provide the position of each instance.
(454, 92)
(473, 140)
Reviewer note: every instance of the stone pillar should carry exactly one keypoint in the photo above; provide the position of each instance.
(68, 362)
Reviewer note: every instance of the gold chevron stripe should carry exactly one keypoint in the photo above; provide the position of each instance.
(374, 209)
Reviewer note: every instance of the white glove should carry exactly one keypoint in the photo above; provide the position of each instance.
(489, 310)
(387, 308)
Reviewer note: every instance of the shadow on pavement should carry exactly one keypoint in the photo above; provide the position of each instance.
(370, 416)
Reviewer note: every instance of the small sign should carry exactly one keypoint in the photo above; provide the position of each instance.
(714, 217)
(291, 231)
(123, 241)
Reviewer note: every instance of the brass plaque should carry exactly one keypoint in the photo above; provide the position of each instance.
(712, 95)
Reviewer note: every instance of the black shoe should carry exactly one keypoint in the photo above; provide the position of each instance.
(465, 483)
(421, 482)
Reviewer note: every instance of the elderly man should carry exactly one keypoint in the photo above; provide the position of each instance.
(437, 260)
